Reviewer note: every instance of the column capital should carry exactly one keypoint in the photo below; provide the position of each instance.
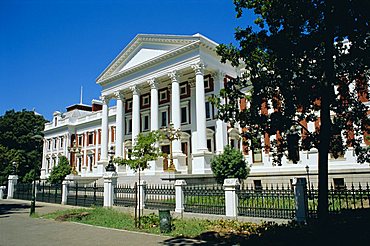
(153, 83)
(105, 99)
(119, 95)
(218, 75)
(198, 68)
(191, 83)
(174, 75)
(135, 90)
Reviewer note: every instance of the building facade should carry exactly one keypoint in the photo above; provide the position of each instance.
(156, 80)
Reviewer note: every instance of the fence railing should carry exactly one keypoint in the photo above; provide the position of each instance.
(340, 198)
(23, 191)
(273, 201)
(204, 199)
(160, 197)
(85, 195)
(51, 193)
(125, 195)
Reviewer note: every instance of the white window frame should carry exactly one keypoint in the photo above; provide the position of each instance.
(129, 105)
(207, 83)
(210, 110)
(127, 129)
(61, 144)
(146, 97)
(160, 117)
(186, 89)
(164, 92)
(210, 136)
(143, 115)
(185, 104)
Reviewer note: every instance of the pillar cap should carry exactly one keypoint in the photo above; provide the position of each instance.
(180, 182)
(13, 177)
(231, 182)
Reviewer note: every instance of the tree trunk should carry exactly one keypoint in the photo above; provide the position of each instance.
(325, 128)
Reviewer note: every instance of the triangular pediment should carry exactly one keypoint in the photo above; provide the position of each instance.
(142, 48)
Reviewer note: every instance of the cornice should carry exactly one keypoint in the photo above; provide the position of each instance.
(105, 80)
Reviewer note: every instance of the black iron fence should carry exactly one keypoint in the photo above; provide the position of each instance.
(208, 199)
(160, 197)
(85, 195)
(340, 198)
(23, 191)
(51, 193)
(125, 195)
(272, 201)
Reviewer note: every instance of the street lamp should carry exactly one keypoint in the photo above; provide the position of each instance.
(74, 150)
(308, 178)
(110, 167)
(171, 133)
(37, 139)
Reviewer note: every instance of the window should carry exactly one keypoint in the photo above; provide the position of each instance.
(145, 101)
(55, 121)
(145, 123)
(61, 139)
(80, 140)
(164, 119)
(184, 115)
(90, 138)
(163, 96)
(208, 83)
(55, 143)
(208, 110)
(129, 105)
(184, 90)
(339, 184)
(128, 126)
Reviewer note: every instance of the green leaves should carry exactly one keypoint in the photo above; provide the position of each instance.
(18, 145)
(144, 150)
(229, 164)
(60, 171)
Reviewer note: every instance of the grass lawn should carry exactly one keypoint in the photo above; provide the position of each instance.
(351, 228)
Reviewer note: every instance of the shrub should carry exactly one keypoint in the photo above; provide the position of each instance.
(60, 171)
(229, 164)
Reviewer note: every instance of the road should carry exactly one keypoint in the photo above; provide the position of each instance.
(17, 228)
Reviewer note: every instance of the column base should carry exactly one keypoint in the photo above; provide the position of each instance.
(202, 162)
(179, 160)
(100, 167)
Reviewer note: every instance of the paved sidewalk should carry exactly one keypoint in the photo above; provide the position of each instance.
(17, 228)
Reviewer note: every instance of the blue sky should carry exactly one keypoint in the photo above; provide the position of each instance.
(49, 49)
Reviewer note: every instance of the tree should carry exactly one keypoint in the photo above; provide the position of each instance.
(144, 150)
(302, 57)
(60, 171)
(229, 164)
(18, 145)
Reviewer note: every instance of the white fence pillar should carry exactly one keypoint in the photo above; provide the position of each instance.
(110, 181)
(300, 197)
(179, 195)
(141, 194)
(65, 191)
(2, 189)
(12, 181)
(231, 198)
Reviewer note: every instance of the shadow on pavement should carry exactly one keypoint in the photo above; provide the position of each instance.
(349, 228)
(11, 208)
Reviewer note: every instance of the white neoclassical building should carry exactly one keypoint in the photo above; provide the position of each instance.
(155, 80)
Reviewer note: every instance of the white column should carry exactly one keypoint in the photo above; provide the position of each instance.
(119, 123)
(201, 107)
(135, 112)
(110, 181)
(179, 194)
(65, 184)
(104, 129)
(153, 104)
(221, 127)
(141, 194)
(12, 181)
(231, 198)
(175, 109)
